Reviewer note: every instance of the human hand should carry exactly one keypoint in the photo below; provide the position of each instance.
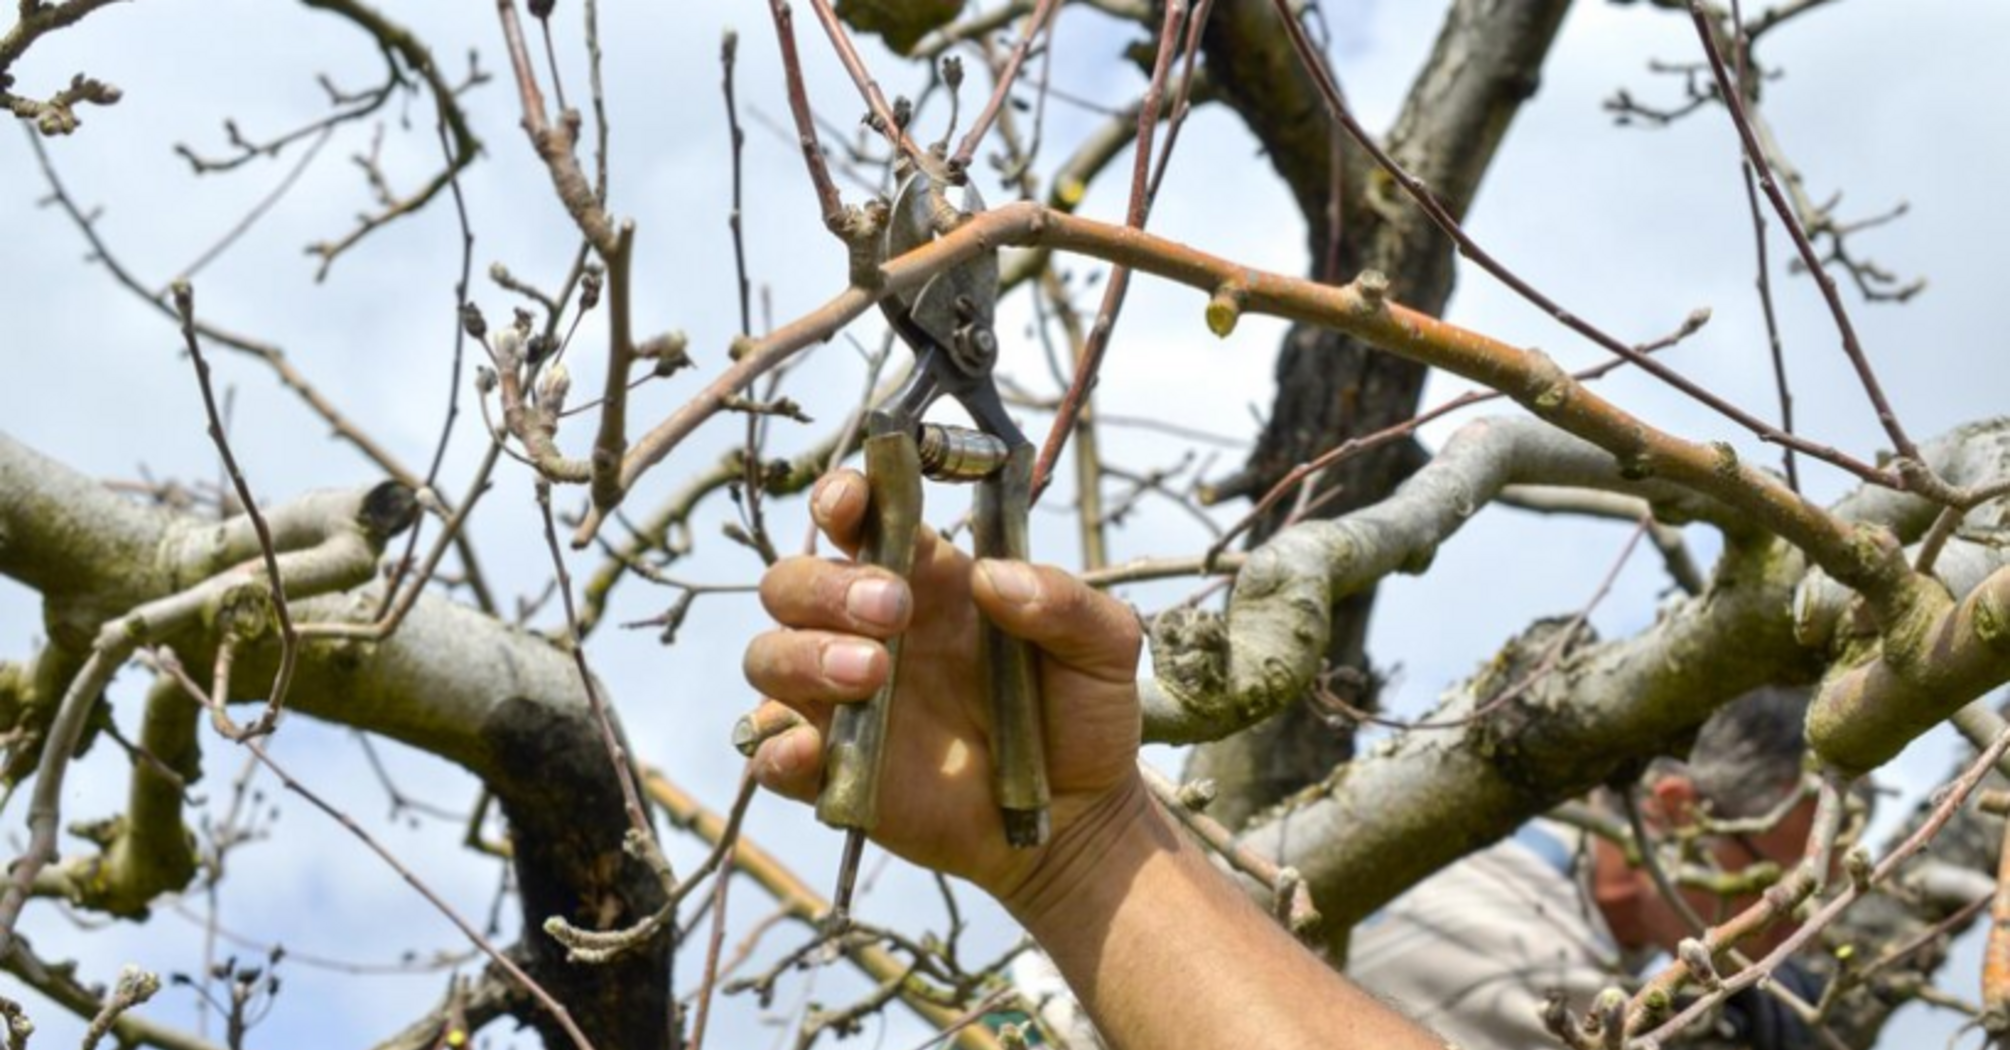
(936, 806)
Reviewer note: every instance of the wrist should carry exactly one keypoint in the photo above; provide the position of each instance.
(1094, 852)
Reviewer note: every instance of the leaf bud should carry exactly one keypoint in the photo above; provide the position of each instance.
(507, 349)
(473, 322)
(552, 389)
(540, 347)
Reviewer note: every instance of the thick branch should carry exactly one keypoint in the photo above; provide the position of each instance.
(1360, 309)
(1383, 822)
(1216, 678)
(507, 706)
(151, 851)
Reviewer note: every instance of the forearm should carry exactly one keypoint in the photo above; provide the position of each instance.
(1165, 951)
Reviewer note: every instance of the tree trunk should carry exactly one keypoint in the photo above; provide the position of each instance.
(1329, 387)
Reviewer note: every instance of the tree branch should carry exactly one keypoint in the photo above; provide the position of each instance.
(1216, 677)
(507, 706)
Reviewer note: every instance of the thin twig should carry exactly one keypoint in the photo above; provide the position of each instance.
(828, 200)
(1035, 26)
(1090, 365)
(1356, 446)
(167, 663)
(1755, 157)
(720, 884)
(751, 487)
(1291, 897)
(258, 210)
(617, 751)
(461, 288)
(1950, 799)
(883, 119)
(1764, 279)
(289, 637)
(1471, 249)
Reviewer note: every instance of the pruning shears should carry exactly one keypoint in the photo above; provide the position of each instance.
(948, 323)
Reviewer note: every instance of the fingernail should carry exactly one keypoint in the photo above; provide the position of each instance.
(746, 738)
(849, 663)
(756, 727)
(876, 600)
(1014, 581)
(828, 498)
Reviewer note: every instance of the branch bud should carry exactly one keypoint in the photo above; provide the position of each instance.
(1696, 957)
(1374, 288)
(552, 389)
(507, 350)
(1856, 864)
(538, 348)
(1609, 1011)
(472, 321)
(1197, 795)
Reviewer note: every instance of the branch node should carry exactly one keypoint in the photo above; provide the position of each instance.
(1724, 459)
(859, 227)
(1857, 865)
(1373, 286)
(1197, 795)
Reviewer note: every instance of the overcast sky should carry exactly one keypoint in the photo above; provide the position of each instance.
(1882, 102)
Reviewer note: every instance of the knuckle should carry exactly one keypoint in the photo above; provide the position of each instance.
(1131, 630)
(1063, 595)
(833, 584)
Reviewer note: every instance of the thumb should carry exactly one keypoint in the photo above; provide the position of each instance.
(1066, 618)
(838, 505)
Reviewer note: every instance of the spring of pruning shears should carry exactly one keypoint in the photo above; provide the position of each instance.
(948, 323)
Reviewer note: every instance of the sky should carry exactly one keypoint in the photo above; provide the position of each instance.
(1881, 102)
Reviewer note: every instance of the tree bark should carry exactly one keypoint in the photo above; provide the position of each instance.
(1330, 387)
(506, 705)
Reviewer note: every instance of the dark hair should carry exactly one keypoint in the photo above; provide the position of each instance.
(1748, 756)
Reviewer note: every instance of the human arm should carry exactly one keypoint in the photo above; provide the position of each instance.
(1164, 950)
(1160, 945)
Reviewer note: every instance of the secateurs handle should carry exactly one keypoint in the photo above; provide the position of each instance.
(1018, 723)
(948, 323)
(854, 752)
(856, 747)
(897, 457)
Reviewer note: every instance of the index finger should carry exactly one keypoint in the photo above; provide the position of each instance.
(839, 505)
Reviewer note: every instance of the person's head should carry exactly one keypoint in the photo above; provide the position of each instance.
(1745, 764)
